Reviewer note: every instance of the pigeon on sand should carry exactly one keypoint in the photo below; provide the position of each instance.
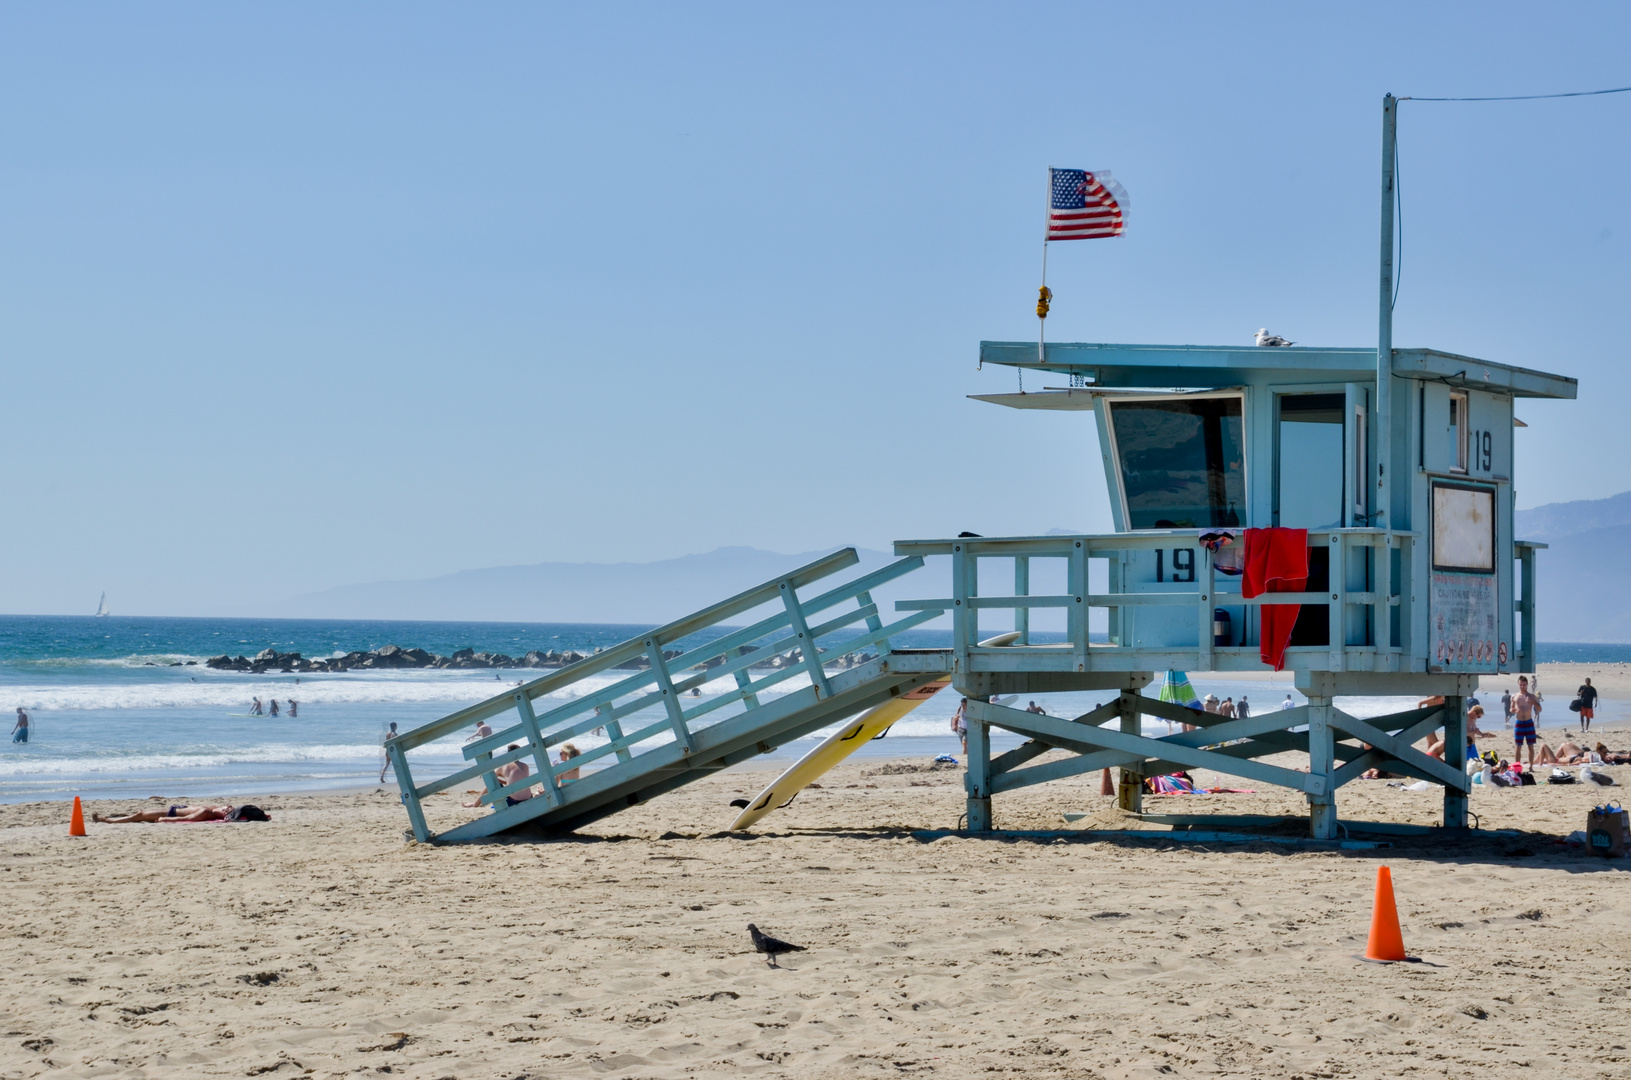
(1265, 338)
(770, 946)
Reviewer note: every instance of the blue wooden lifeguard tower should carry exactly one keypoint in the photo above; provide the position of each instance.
(1397, 462)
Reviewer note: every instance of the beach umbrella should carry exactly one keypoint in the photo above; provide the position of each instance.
(1176, 689)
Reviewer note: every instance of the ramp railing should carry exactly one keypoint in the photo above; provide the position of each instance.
(637, 692)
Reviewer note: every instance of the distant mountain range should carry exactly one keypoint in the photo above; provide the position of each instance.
(1584, 577)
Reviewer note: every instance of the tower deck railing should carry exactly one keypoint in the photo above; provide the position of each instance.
(1368, 603)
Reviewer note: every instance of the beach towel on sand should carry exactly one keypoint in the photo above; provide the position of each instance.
(1276, 561)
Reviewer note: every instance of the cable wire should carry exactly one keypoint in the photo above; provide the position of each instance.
(1398, 191)
(1525, 97)
(1398, 200)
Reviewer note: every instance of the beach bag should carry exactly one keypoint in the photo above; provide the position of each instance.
(248, 813)
(1574, 706)
(1526, 778)
(1559, 776)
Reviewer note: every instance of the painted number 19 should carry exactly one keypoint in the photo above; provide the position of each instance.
(1183, 564)
(1483, 449)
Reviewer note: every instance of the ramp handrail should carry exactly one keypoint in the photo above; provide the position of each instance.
(663, 683)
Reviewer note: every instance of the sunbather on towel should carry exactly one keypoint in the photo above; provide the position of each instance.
(175, 813)
(1570, 753)
(1612, 757)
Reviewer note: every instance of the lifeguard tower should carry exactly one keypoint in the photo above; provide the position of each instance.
(1397, 462)
(1415, 587)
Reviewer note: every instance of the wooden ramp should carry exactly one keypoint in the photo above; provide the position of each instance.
(831, 650)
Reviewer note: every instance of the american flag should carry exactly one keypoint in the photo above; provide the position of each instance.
(1084, 205)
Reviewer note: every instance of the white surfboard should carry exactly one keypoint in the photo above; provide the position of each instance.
(842, 743)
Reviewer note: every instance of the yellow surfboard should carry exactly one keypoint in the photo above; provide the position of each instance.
(842, 743)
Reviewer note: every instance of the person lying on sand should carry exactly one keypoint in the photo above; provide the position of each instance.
(1612, 757)
(1570, 753)
(175, 813)
(1376, 774)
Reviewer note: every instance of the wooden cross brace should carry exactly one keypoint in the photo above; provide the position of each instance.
(1106, 748)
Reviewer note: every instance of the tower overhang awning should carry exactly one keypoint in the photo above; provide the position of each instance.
(1108, 366)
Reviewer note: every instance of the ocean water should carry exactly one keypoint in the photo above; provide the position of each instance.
(113, 715)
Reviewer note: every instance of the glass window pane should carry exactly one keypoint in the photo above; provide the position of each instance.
(1458, 426)
(1182, 462)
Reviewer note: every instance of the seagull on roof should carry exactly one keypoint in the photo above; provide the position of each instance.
(1266, 338)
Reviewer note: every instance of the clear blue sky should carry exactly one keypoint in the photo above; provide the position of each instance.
(297, 295)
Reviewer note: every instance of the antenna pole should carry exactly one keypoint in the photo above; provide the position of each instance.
(1382, 444)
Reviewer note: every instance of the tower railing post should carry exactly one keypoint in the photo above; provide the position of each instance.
(1022, 587)
(671, 700)
(965, 621)
(410, 794)
(1076, 619)
(807, 646)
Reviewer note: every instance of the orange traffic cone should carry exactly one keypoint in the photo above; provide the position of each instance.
(1386, 944)
(1106, 785)
(76, 823)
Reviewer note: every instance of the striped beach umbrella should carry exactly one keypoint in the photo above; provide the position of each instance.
(1176, 689)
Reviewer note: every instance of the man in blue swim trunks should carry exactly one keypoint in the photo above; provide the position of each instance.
(19, 733)
(1526, 712)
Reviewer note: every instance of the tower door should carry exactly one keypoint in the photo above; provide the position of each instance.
(1309, 454)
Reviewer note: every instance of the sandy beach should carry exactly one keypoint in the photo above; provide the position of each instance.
(323, 944)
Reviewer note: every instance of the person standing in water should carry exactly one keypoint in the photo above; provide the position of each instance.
(255, 708)
(384, 767)
(19, 731)
(272, 711)
(294, 708)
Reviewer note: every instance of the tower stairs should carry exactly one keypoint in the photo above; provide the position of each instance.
(812, 661)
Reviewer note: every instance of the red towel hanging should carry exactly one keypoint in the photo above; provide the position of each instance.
(1276, 561)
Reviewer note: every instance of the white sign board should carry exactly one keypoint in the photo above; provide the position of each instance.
(1463, 527)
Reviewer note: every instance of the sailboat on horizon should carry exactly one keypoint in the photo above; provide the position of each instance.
(102, 607)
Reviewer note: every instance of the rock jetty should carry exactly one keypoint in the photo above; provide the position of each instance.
(392, 656)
